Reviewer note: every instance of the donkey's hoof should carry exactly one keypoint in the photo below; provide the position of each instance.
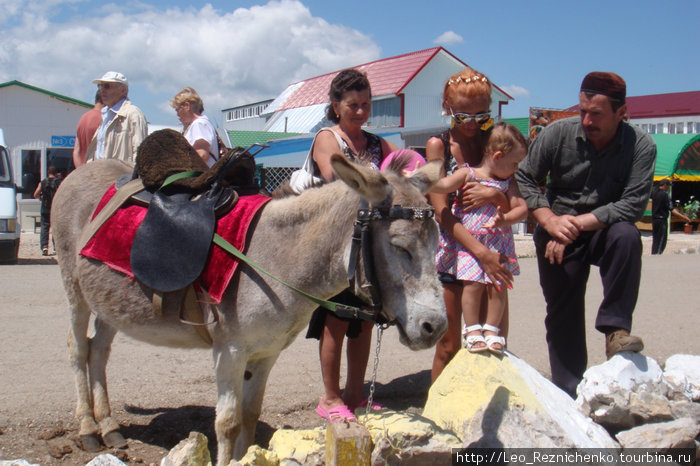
(90, 443)
(114, 440)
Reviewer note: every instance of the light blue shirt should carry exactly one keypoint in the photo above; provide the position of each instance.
(108, 114)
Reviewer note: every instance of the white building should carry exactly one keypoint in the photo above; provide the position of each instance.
(673, 113)
(406, 102)
(39, 128)
(246, 117)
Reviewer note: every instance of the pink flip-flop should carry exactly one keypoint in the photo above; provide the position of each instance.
(374, 407)
(337, 414)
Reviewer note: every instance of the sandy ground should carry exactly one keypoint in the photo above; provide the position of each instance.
(159, 395)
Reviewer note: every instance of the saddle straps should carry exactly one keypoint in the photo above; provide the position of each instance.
(120, 197)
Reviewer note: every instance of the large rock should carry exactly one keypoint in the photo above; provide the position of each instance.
(192, 451)
(408, 439)
(306, 447)
(398, 438)
(681, 409)
(682, 375)
(662, 436)
(623, 392)
(502, 402)
(257, 456)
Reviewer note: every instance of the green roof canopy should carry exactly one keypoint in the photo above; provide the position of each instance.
(523, 124)
(247, 138)
(677, 157)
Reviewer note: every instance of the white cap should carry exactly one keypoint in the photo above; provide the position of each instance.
(112, 77)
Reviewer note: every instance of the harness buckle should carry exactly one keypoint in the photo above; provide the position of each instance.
(350, 312)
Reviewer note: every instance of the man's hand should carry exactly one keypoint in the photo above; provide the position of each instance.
(563, 228)
(555, 252)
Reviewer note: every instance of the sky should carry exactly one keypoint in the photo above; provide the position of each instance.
(238, 52)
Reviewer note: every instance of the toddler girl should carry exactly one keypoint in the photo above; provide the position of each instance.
(504, 150)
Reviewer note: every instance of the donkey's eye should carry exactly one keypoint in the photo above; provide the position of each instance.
(402, 251)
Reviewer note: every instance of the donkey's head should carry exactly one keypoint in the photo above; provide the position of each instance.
(403, 248)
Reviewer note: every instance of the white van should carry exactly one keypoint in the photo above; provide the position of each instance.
(9, 226)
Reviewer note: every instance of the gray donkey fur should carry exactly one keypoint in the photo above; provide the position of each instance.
(305, 240)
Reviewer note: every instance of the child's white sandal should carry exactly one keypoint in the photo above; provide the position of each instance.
(492, 340)
(469, 341)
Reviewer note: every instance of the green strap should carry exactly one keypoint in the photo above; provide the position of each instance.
(179, 176)
(228, 247)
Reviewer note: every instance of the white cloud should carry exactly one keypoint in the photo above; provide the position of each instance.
(516, 91)
(230, 58)
(448, 38)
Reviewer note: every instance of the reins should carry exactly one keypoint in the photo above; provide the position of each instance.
(361, 242)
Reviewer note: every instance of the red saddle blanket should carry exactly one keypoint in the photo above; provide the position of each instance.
(112, 242)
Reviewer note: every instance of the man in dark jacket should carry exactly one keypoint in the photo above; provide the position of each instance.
(599, 172)
(661, 206)
(45, 192)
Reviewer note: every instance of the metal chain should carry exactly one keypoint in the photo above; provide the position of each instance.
(380, 331)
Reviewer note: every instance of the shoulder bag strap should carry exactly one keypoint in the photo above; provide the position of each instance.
(309, 164)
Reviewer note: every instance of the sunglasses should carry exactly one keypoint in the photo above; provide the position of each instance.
(107, 85)
(464, 118)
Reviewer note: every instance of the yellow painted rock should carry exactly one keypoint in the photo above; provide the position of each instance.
(500, 401)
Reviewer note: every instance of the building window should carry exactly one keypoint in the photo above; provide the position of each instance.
(385, 113)
(660, 128)
(645, 127)
(671, 128)
(61, 158)
(652, 129)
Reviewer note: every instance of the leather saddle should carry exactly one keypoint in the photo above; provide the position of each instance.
(171, 246)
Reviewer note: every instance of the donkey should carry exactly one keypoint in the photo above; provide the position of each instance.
(305, 240)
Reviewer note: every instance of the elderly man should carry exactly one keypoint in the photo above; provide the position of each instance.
(599, 172)
(123, 124)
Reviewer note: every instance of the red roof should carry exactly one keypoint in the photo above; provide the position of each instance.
(386, 76)
(662, 105)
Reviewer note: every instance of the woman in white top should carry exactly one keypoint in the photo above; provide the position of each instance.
(197, 128)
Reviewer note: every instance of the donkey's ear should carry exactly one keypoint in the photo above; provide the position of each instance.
(369, 183)
(426, 176)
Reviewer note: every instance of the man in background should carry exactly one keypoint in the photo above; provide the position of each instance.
(87, 126)
(661, 206)
(45, 192)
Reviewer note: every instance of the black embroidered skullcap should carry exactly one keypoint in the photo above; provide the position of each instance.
(605, 83)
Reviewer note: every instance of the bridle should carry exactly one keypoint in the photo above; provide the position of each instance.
(361, 244)
(362, 247)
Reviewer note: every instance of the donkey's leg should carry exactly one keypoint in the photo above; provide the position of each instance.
(100, 346)
(254, 382)
(230, 366)
(79, 349)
